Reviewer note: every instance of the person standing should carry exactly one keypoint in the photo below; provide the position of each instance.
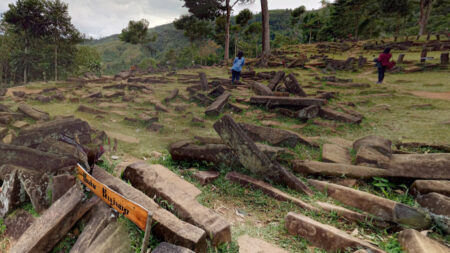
(238, 63)
(383, 64)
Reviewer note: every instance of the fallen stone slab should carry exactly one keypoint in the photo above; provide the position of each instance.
(331, 114)
(203, 81)
(413, 241)
(73, 128)
(275, 136)
(90, 110)
(348, 85)
(35, 159)
(337, 170)
(307, 113)
(332, 153)
(428, 186)
(33, 112)
(293, 86)
(435, 202)
(248, 244)
(54, 223)
(384, 208)
(173, 95)
(3, 132)
(291, 102)
(122, 137)
(250, 182)
(10, 192)
(260, 89)
(3, 92)
(93, 95)
(371, 157)
(216, 92)
(113, 239)
(166, 225)
(217, 106)
(165, 247)
(324, 236)
(62, 148)
(20, 124)
(279, 76)
(146, 178)
(17, 224)
(35, 184)
(100, 217)
(205, 177)
(382, 145)
(114, 94)
(115, 86)
(252, 158)
(440, 147)
(421, 166)
(60, 185)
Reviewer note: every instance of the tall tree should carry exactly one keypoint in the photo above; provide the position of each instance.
(425, 10)
(398, 9)
(242, 20)
(265, 29)
(136, 32)
(28, 19)
(60, 28)
(194, 28)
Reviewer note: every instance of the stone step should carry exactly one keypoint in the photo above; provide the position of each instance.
(292, 102)
(113, 239)
(217, 106)
(421, 166)
(436, 203)
(170, 248)
(337, 170)
(33, 112)
(428, 186)
(413, 241)
(384, 208)
(332, 153)
(147, 178)
(324, 236)
(166, 225)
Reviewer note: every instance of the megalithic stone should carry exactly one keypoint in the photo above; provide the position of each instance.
(293, 86)
(384, 208)
(324, 236)
(276, 80)
(254, 159)
(203, 81)
(261, 89)
(33, 112)
(217, 106)
(413, 241)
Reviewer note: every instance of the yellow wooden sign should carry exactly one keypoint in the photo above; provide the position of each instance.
(134, 212)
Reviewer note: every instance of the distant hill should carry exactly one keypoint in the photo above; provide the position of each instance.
(118, 56)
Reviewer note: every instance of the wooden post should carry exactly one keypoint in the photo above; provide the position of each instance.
(148, 228)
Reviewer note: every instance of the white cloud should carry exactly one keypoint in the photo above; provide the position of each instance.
(100, 18)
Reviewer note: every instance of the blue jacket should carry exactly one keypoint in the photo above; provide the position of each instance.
(238, 64)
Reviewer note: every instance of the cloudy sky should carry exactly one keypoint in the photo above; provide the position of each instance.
(100, 18)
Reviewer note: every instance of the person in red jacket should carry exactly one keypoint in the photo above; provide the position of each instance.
(383, 63)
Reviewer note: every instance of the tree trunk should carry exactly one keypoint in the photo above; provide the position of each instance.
(266, 28)
(310, 35)
(227, 32)
(25, 65)
(425, 9)
(235, 45)
(56, 62)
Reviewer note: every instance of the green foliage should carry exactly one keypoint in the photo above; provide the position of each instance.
(87, 59)
(194, 28)
(65, 244)
(136, 32)
(387, 189)
(2, 227)
(136, 235)
(29, 208)
(392, 245)
(244, 17)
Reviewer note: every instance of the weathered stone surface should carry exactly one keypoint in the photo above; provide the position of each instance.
(113, 239)
(324, 236)
(205, 177)
(332, 153)
(54, 146)
(252, 158)
(276, 80)
(261, 89)
(146, 178)
(291, 102)
(425, 166)
(20, 124)
(384, 208)
(54, 223)
(348, 85)
(331, 114)
(371, 157)
(337, 170)
(122, 137)
(70, 127)
(3, 91)
(428, 186)
(352, 215)
(33, 112)
(87, 109)
(9, 196)
(248, 244)
(35, 185)
(17, 224)
(275, 136)
(166, 225)
(308, 113)
(293, 86)
(165, 247)
(413, 241)
(60, 185)
(435, 202)
(173, 94)
(382, 145)
(94, 95)
(216, 92)
(3, 132)
(100, 217)
(217, 106)
(267, 189)
(35, 159)
(203, 81)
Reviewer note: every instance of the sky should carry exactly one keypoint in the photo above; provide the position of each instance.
(101, 18)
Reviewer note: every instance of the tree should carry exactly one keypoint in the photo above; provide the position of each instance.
(265, 30)
(29, 20)
(425, 10)
(296, 16)
(194, 28)
(242, 20)
(398, 9)
(87, 59)
(60, 28)
(136, 32)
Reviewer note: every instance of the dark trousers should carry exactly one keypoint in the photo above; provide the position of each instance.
(381, 70)
(235, 75)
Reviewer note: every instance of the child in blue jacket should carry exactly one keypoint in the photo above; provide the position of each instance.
(238, 63)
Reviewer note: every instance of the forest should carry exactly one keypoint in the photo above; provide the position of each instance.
(51, 47)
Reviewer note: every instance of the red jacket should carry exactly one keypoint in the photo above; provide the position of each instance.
(384, 60)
